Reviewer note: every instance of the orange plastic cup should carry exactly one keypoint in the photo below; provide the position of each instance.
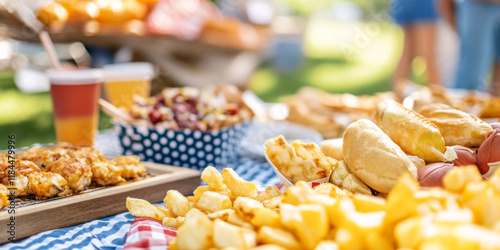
(125, 80)
(74, 98)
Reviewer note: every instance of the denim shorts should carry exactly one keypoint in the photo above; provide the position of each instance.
(408, 12)
(478, 25)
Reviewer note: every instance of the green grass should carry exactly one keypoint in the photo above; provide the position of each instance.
(357, 58)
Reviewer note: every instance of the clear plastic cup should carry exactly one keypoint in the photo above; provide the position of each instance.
(125, 80)
(74, 98)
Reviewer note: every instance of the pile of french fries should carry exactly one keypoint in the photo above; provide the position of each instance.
(231, 214)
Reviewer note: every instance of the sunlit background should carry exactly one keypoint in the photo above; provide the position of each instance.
(334, 45)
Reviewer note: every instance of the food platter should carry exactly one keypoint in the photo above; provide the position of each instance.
(98, 203)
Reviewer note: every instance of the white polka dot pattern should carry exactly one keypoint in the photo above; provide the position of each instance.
(193, 149)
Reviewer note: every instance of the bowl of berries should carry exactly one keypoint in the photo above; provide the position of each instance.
(187, 126)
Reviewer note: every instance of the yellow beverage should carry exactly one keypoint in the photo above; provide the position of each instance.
(78, 130)
(121, 93)
(123, 81)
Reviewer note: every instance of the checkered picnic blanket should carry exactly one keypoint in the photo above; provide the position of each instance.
(150, 234)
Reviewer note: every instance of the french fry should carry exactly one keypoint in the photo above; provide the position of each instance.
(190, 198)
(495, 180)
(311, 226)
(331, 190)
(327, 202)
(193, 213)
(142, 208)
(368, 203)
(212, 202)
(177, 203)
(198, 192)
(263, 197)
(173, 245)
(273, 191)
(268, 247)
(362, 223)
(180, 221)
(327, 244)
(457, 178)
(222, 214)
(266, 217)
(269, 193)
(466, 217)
(484, 202)
(273, 203)
(165, 211)
(224, 190)
(170, 222)
(227, 235)
(280, 237)
(237, 185)
(376, 241)
(288, 214)
(212, 177)
(340, 209)
(297, 194)
(238, 220)
(196, 233)
(246, 207)
(348, 240)
(401, 202)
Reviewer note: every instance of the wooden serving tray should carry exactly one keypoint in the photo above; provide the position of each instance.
(77, 209)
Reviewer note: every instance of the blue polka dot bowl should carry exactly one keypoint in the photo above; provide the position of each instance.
(187, 148)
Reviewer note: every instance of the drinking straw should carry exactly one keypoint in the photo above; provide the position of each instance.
(114, 112)
(26, 15)
(49, 48)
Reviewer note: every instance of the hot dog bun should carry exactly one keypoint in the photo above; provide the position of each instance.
(373, 157)
(457, 127)
(410, 130)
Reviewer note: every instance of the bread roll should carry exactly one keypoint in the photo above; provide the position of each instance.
(457, 127)
(491, 109)
(410, 130)
(332, 148)
(373, 157)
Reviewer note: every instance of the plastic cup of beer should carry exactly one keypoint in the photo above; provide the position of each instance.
(125, 80)
(74, 99)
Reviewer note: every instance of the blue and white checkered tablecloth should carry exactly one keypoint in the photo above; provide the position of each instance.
(110, 232)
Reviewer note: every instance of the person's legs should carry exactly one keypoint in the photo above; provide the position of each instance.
(495, 80)
(425, 46)
(403, 69)
(475, 28)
